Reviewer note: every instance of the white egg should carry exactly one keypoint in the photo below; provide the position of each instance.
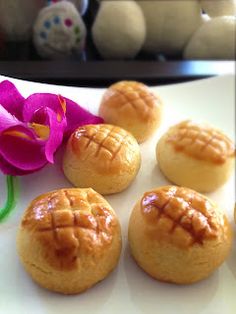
(119, 29)
(17, 18)
(215, 39)
(219, 7)
(170, 24)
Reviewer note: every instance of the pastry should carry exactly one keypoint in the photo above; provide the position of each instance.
(103, 157)
(69, 240)
(177, 235)
(132, 106)
(235, 212)
(196, 155)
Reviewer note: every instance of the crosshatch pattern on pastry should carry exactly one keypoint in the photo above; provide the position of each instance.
(133, 94)
(70, 224)
(108, 138)
(201, 142)
(181, 215)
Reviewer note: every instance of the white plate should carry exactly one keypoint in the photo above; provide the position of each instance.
(128, 289)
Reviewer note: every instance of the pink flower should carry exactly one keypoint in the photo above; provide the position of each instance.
(32, 129)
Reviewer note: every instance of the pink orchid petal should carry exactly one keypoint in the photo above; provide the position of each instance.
(24, 146)
(57, 129)
(22, 130)
(75, 115)
(11, 99)
(78, 116)
(8, 169)
(40, 116)
(22, 153)
(35, 103)
(7, 120)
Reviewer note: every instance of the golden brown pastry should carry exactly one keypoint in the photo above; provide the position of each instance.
(132, 106)
(69, 239)
(103, 157)
(235, 212)
(196, 155)
(177, 235)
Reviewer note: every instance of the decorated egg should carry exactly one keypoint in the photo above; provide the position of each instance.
(59, 31)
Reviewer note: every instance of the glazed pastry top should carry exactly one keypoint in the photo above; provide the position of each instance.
(70, 222)
(181, 216)
(201, 141)
(110, 148)
(131, 94)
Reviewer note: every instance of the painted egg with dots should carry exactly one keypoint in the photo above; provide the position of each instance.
(59, 31)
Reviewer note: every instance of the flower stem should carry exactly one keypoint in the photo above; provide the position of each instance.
(11, 198)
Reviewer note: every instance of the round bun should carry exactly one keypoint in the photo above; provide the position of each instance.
(69, 240)
(177, 235)
(196, 155)
(132, 106)
(103, 157)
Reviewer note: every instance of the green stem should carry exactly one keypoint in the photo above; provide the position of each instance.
(11, 198)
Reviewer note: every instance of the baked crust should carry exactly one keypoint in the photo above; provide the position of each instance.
(64, 234)
(132, 106)
(69, 223)
(109, 145)
(104, 157)
(180, 216)
(134, 95)
(201, 141)
(196, 155)
(178, 235)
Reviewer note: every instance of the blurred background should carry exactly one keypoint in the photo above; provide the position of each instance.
(93, 43)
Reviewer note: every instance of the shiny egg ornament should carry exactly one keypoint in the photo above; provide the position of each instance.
(81, 5)
(59, 31)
